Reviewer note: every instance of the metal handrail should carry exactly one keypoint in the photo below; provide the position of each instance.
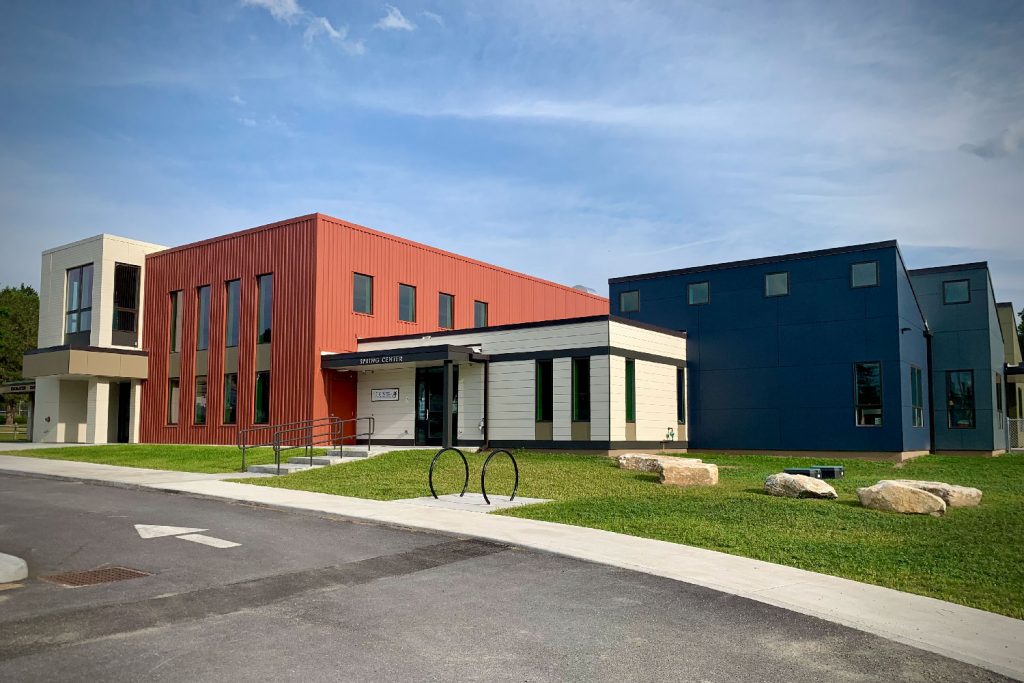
(306, 437)
(335, 423)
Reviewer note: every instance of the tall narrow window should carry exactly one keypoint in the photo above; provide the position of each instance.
(203, 318)
(232, 300)
(230, 398)
(407, 303)
(125, 328)
(868, 377)
(629, 302)
(264, 307)
(776, 284)
(445, 311)
(956, 292)
(630, 390)
(864, 274)
(544, 390)
(362, 293)
(999, 399)
(960, 399)
(681, 395)
(78, 317)
(581, 390)
(698, 293)
(261, 412)
(199, 417)
(173, 400)
(916, 397)
(479, 314)
(175, 322)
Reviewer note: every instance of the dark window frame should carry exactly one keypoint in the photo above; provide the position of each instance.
(232, 405)
(581, 398)
(767, 295)
(945, 299)
(949, 401)
(264, 308)
(235, 334)
(999, 398)
(451, 310)
(681, 396)
(198, 410)
(544, 390)
(257, 418)
(876, 283)
(124, 323)
(622, 296)
(630, 386)
(411, 288)
(202, 321)
(916, 396)
(79, 334)
(476, 313)
(689, 293)
(173, 408)
(177, 298)
(859, 417)
(356, 294)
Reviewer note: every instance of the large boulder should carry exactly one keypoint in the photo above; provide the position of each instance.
(642, 462)
(688, 473)
(892, 496)
(798, 486)
(954, 496)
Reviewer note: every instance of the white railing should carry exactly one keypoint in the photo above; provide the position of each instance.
(1015, 434)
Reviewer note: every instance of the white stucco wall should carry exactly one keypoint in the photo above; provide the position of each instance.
(393, 419)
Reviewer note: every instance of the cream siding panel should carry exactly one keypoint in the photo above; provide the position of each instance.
(47, 405)
(646, 341)
(471, 401)
(98, 412)
(599, 401)
(617, 397)
(561, 407)
(655, 400)
(393, 419)
(74, 399)
(511, 401)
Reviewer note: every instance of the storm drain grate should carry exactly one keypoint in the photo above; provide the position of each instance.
(95, 576)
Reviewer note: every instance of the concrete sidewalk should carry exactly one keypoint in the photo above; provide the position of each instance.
(984, 639)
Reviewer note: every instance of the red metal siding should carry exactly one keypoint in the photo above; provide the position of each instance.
(312, 259)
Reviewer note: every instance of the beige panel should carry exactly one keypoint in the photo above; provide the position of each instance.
(46, 410)
(647, 341)
(655, 400)
(543, 431)
(45, 364)
(202, 366)
(630, 432)
(471, 401)
(561, 409)
(95, 364)
(580, 431)
(134, 366)
(599, 400)
(262, 357)
(617, 397)
(231, 359)
(511, 401)
(174, 365)
(97, 411)
(394, 419)
(74, 405)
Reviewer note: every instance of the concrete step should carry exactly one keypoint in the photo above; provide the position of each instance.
(325, 459)
(353, 452)
(286, 468)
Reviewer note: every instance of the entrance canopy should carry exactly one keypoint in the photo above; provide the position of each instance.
(402, 357)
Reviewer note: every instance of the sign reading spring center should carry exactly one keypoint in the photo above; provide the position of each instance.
(377, 360)
(383, 394)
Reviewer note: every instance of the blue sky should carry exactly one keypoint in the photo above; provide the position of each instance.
(571, 140)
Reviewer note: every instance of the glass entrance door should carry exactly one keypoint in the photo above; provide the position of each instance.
(430, 405)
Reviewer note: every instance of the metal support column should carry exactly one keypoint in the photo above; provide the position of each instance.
(449, 389)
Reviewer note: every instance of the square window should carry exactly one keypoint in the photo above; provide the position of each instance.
(776, 284)
(698, 293)
(864, 274)
(956, 292)
(629, 302)
(362, 293)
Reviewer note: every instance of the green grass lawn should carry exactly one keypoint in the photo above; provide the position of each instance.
(972, 556)
(208, 459)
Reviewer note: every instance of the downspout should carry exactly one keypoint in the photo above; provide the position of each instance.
(931, 390)
(487, 419)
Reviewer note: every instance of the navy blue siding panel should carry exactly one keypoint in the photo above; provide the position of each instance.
(913, 353)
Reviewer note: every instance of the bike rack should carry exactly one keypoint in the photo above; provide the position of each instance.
(465, 465)
(483, 475)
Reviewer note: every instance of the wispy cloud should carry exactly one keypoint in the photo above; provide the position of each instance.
(394, 20)
(290, 12)
(1007, 143)
(434, 17)
(235, 99)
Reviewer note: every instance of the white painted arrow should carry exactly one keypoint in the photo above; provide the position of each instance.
(156, 531)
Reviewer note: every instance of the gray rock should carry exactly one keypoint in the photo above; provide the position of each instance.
(955, 496)
(798, 486)
(895, 497)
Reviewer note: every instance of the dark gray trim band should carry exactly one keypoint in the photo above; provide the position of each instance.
(591, 445)
(385, 357)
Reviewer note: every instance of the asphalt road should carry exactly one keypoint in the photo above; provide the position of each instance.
(311, 599)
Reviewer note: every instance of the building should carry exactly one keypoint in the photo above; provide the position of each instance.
(235, 326)
(838, 351)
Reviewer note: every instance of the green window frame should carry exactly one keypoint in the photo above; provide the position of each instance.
(581, 389)
(362, 293)
(681, 395)
(406, 303)
(630, 390)
(544, 390)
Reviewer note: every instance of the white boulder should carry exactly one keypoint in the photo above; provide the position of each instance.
(955, 496)
(896, 497)
(798, 486)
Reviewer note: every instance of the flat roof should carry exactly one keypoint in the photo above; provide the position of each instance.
(977, 265)
(869, 246)
(539, 323)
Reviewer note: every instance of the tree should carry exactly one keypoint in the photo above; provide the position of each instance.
(19, 325)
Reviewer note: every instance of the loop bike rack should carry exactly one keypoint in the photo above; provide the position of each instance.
(483, 472)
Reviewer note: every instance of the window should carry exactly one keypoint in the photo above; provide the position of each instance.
(232, 294)
(261, 413)
(126, 305)
(681, 395)
(173, 399)
(999, 399)
(264, 307)
(629, 302)
(78, 319)
(868, 394)
(960, 399)
(446, 311)
(544, 389)
(776, 284)
(175, 322)
(407, 303)
(581, 390)
(199, 416)
(698, 293)
(203, 318)
(630, 390)
(956, 292)
(230, 398)
(916, 397)
(479, 314)
(362, 293)
(864, 274)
